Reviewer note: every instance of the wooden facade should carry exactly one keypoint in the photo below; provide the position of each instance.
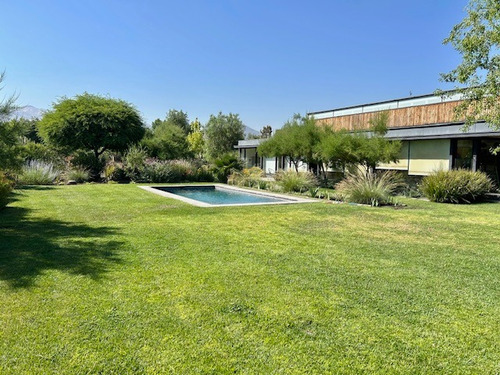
(430, 114)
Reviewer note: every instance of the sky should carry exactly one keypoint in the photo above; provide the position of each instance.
(262, 59)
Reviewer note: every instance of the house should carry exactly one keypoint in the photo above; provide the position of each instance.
(247, 150)
(432, 138)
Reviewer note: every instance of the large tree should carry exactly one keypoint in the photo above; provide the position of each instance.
(92, 123)
(166, 141)
(177, 118)
(297, 140)
(10, 133)
(340, 149)
(222, 133)
(477, 39)
(7, 105)
(195, 139)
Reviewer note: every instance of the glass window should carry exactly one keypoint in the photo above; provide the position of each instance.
(463, 154)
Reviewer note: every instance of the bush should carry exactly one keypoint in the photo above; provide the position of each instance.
(368, 188)
(5, 189)
(116, 173)
(42, 152)
(225, 165)
(291, 181)
(87, 160)
(79, 175)
(251, 177)
(456, 186)
(38, 173)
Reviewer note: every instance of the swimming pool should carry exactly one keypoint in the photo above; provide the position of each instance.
(217, 195)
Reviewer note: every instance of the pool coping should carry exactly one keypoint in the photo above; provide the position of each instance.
(289, 199)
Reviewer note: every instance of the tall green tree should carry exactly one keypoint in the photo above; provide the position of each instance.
(477, 39)
(340, 149)
(297, 140)
(93, 123)
(7, 105)
(166, 141)
(11, 133)
(222, 133)
(195, 139)
(175, 117)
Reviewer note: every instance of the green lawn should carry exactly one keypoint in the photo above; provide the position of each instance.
(113, 279)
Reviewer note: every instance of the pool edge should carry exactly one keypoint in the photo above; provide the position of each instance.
(289, 199)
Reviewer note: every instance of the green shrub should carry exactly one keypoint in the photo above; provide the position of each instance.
(42, 152)
(251, 177)
(5, 189)
(79, 175)
(368, 188)
(87, 160)
(116, 173)
(38, 173)
(225, 165)
(291, 181)
(456, 186)
(203, 174)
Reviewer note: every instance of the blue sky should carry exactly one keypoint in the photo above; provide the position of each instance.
(264, 60)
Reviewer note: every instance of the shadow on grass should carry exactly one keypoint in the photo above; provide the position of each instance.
(34, 187)
(29, 247)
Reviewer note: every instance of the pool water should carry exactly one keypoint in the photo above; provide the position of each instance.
(217, 195)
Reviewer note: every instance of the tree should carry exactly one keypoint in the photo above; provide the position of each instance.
(477, 39)
(340, 149)
(11, 147)
(266, 131)
(7, 105)
(222, 133)
(297, 140)
(93, 123)
(166, 141)
(175, 117)
(195, 139)
(10, 134)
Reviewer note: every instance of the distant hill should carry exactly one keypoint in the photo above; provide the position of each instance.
(250, 131)
(27, 112)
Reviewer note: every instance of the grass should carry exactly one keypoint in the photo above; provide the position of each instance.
(112, 279)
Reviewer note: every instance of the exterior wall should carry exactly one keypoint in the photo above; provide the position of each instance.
(269, 165)
(439, 113)
(428, 156)
(422, 157)
(402, 163)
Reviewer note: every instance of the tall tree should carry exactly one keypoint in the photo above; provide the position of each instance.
(222, 133)
(166, 141)
(195, 139)
(297, 140)
(340, 149)
(10, 133)
(7, 105)
(477, 39)
(92, 122)
(266, 131)
(178, 118)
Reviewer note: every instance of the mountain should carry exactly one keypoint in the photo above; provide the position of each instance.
(27, 112)
(251, 131)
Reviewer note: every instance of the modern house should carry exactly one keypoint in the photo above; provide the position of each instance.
(432, 138)
(248, 153)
